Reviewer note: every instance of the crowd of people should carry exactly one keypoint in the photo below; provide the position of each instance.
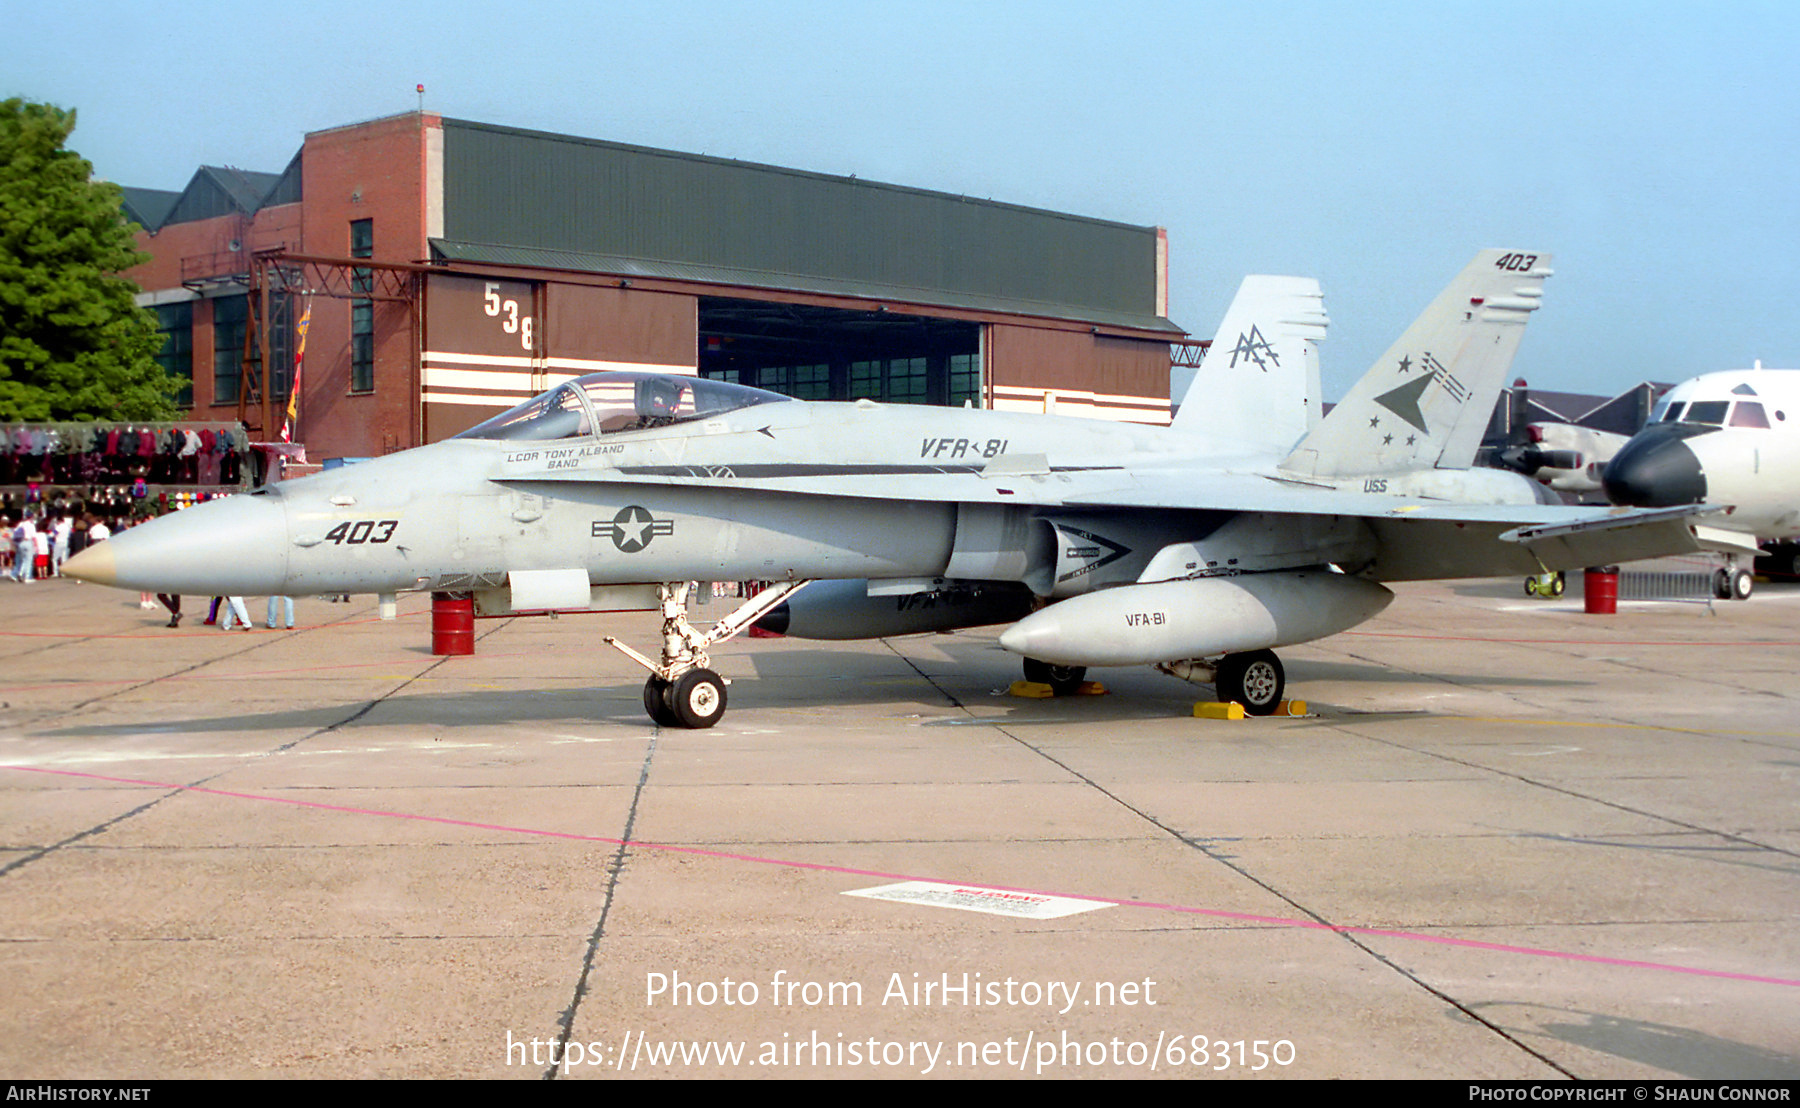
(38, 545)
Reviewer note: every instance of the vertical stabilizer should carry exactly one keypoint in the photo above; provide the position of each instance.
(1259, 381)
(1427, 402)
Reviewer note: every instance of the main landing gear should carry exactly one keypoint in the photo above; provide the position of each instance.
(1063, 680)
(682, 690)
(1253, 678)
(1732, 582)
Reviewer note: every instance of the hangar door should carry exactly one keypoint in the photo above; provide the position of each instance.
(819, 353)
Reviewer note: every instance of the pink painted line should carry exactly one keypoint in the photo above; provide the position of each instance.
(1564, 642)
(825, 867)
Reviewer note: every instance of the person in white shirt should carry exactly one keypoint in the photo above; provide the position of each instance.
(24, 538)
(59, 542)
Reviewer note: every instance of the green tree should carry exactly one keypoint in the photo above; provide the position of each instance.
(73, 343)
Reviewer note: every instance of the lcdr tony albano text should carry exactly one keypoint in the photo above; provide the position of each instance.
(965, 990)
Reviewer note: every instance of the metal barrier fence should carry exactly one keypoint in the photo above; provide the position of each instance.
(1694, 585)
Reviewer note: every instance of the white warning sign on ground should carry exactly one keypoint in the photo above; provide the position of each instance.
(973, 898)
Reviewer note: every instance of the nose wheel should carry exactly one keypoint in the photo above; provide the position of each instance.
(656, 702)
(697, 698)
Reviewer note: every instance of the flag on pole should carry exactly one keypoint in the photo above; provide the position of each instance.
(292, 419)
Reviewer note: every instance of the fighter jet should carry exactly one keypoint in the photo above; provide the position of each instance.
(1247, 524)
(1731, 438)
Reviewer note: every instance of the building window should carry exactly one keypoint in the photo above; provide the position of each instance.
(802, 382)
(176, 322)
(965, 380)
(865, 380)
(362, 346)
(362, 312)
(282, 318)
(892, 381)
(231, 314)
(906, 381)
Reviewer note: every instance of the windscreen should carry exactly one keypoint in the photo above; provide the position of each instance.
(557, 414)
(609, 403)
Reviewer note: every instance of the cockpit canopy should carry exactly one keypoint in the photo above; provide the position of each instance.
(608, 403)
(1714, 413)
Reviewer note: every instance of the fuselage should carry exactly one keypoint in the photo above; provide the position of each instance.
(1731, 439)
(761, 488)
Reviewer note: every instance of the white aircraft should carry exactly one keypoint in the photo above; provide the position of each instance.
(1732, 439)
(1197, 547)
(1564, 456)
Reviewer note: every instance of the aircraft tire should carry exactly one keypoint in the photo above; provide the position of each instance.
(656, 703)
(1557, 586)
(1531, 586)
(1254, 679)
(1063, 680)
(1733, 584)
(698, 699)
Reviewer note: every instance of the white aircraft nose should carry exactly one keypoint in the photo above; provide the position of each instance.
(236, 546)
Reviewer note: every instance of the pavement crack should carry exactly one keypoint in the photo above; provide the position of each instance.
(565, 1021)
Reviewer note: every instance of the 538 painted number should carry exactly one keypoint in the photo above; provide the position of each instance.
(363, 530)
(511, 321)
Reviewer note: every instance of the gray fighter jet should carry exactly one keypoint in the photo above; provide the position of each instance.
(1247, 524)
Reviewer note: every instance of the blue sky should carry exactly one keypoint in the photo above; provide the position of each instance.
(1652, 148)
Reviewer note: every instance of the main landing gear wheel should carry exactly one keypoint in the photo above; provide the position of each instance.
(1063, 680)
(1732, 583)
(697, 698)
(656, 703)
(1253, 679)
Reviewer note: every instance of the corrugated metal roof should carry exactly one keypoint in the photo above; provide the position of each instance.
(539, 258)
(528, 190)
(217, 190)
(149, 207)
(286, 189)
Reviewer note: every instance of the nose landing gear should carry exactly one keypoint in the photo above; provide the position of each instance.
(682, 690)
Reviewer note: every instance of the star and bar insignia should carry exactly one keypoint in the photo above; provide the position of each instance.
(633, 528)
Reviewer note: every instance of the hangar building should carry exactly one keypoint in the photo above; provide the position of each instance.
(450, 269)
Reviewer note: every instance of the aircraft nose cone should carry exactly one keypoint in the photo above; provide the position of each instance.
(236, 546)
(1656, 469)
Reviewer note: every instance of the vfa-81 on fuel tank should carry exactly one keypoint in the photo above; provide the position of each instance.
(1247, 524)
(1732, 439)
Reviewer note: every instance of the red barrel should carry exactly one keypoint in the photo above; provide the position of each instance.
(1600, 590)
(452, 623)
